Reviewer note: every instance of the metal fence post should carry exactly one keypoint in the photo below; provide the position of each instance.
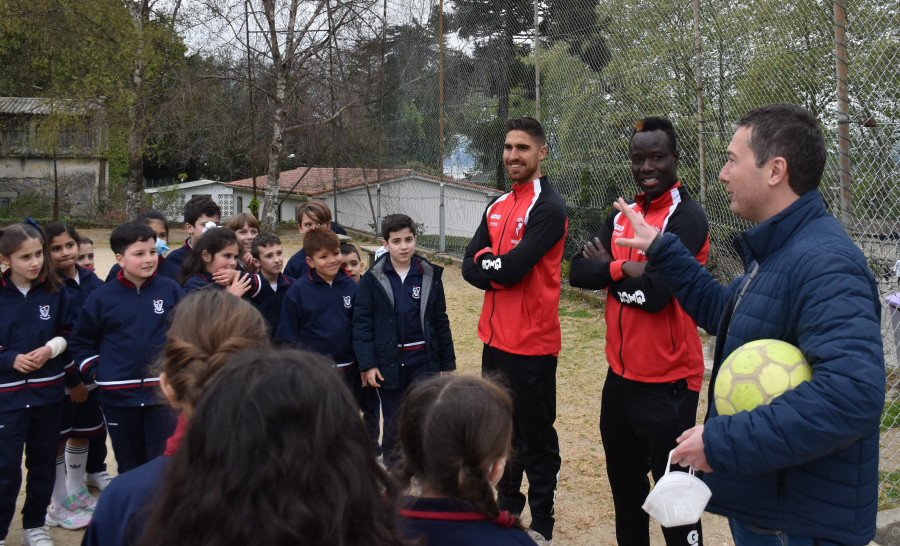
(443, 244)
(378, 210)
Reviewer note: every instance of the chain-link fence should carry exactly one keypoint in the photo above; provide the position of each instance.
(604, 64)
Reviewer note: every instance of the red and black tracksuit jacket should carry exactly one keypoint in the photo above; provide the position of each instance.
(515, 256)
(649, 337)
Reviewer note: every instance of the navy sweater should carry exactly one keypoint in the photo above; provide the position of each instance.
(318, 316)
(29, 322)
(297, 266)
(171, 265)
(119, 333)
(450, 522)
(259, 287)
(270, 307)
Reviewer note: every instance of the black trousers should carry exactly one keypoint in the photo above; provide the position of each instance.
(532, 381)
(639, 423)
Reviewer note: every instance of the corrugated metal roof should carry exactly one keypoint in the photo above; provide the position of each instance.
(36, 105)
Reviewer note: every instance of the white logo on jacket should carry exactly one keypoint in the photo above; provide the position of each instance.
(496, 216)
(491, 264)
(520, 223)
(347, 303)
(416, 292)
(158, 307)
(638, 297)
(45, 312)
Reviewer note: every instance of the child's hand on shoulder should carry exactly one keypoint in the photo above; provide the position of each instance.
(239, 286)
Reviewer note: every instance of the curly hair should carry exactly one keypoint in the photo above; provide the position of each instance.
(276, 454)
(452, 429)
(206, 329)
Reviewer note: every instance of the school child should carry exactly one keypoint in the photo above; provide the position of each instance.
(37, 319)
(86, 253)
(268, 257)
(199, 213)
(455, 435)
(212, 264)
(352, 262)
(275, 454)
(317, 313)
(312, 214)
(397, 341)
(368, 397)
(120, 331)
(157, 221)
(208, 326)
(245, 227)
(82, 419)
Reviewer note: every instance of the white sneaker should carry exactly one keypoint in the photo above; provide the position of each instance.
(81, 499)
(97, 479)
(60, 516)
(539, 538)
(39, 536)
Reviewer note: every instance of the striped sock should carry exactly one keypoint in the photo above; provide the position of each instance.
(59, 487)
(76, 463)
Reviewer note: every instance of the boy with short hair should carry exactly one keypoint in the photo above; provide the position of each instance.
(198, 211)
(268, 257)
(86, 253)
(412, 343)
(118, 335)
(312, 214)
(352, 262)
(317, 313)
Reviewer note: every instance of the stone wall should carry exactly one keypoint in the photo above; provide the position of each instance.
(80, 182)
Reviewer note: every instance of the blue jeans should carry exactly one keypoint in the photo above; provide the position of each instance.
(745, 534)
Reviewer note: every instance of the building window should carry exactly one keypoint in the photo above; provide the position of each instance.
(238, 204)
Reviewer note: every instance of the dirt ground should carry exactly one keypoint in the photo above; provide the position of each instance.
(584, 509)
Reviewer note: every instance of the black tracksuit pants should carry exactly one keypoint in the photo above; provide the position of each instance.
(639, 423)
(532, 381)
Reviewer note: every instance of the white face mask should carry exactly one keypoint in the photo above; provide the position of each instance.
(678, 498)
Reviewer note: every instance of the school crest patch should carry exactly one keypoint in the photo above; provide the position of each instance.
(45, 312)
(158, 307)
(416, 292)
(347, 302)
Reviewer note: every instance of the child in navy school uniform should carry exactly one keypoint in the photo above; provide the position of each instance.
(397, 341)
(268, 257)
(82, 419)
(455, 435)
(245, 227)
(368, 397)
(37, 318)
(199, 212)
(120, 331)
(312, 214)
(208, 327)
(157, 221)
(213, 264)
(86, 253)
(317, 313)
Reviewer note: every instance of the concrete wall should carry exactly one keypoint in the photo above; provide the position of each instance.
(80, 181)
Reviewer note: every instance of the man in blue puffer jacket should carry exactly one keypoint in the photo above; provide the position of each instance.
(805, 467)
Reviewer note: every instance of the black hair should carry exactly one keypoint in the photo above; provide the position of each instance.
(279, 436)
(452, 431)
(264, 239)
(396, 222)
(129, 233)
(213, 241)
(347, 249)
(151, 214)
(529, 125)
(651, 124)
(792, 132)
(55, 229)
(200, 205)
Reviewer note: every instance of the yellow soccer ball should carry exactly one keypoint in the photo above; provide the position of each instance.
(756, 373)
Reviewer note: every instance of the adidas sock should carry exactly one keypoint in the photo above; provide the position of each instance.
(76, 464)
(59, 487)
